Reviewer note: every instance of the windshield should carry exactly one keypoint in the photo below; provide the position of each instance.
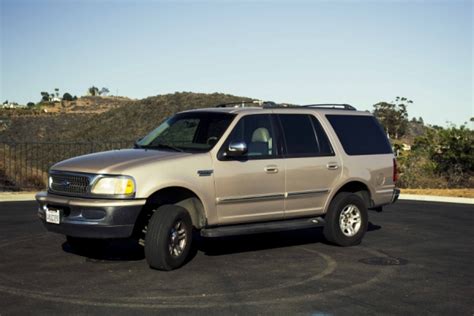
(190, 132)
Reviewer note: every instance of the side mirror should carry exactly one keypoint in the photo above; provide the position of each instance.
(236, 149)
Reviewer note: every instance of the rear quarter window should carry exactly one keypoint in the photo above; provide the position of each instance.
(360, 135)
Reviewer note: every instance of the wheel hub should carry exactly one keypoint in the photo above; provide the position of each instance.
(177, 241)
(350, 220)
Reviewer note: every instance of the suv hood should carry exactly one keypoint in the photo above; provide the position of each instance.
(114, 161)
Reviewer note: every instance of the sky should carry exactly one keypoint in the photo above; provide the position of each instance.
(300, 52)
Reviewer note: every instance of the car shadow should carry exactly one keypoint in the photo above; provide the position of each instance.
(107, 250)
(248, 243)
(130, 250)
(373, 227)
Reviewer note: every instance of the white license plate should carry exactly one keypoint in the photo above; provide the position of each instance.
(52, 216)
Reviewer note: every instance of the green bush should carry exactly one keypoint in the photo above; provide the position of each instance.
(441, 158)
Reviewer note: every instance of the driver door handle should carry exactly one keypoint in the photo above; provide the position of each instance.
(271, 169)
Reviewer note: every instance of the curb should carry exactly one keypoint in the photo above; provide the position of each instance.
(30, 196)
(434, 198)
(17, 196)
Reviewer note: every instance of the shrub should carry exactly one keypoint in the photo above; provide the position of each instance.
(67, 97)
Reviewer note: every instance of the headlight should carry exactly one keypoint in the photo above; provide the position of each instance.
(114, 186)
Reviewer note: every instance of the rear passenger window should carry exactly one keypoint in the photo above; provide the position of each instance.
(360, 135)
(304, 136)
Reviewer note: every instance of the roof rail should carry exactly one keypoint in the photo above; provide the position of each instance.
(242, 104)
(271, 104)
(331, 106)
(275, 105)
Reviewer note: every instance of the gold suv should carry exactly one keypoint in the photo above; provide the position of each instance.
(229, 170)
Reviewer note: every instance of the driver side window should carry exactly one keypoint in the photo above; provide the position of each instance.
(257, 133)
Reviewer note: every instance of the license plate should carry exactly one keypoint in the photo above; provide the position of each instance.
(52, 216)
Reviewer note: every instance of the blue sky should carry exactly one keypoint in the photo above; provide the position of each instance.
(357, 52)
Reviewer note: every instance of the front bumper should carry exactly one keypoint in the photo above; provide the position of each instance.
(90, 218)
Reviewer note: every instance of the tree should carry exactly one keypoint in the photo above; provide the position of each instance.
(104, 91)
(45, 97)
(393, 116)
(30, 104)
(6, 102)
(57, 92)
(93, 91)
(67, 97)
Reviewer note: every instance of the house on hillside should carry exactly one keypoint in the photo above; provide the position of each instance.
(12, 105)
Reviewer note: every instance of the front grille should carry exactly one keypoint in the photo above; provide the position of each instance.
(69, 183)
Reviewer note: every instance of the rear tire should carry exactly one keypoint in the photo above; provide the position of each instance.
(168, 238)
(346, 220)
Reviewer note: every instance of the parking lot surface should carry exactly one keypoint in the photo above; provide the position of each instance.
(416, 258)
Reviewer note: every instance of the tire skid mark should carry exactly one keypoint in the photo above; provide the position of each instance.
(205, 300)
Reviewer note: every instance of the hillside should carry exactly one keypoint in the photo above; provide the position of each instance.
(93, 104)
(126, 120)
(132, 122)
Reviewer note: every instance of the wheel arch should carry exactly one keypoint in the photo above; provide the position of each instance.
(357, 187)
(173, 195)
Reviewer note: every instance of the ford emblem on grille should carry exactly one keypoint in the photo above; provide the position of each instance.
(64, 183)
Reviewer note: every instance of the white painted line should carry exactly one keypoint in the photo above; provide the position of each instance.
(433, 198)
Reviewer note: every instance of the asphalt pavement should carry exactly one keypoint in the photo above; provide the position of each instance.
(416, 258)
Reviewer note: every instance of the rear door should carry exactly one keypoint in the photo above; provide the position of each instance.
(369, 153)
(312, 168)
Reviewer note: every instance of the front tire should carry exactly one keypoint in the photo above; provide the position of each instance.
(346, 220)
(168, 238)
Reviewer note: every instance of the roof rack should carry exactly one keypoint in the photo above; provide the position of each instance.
(242, 104)
(271, 104)
(331, 106)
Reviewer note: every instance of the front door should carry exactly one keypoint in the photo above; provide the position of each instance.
(251, 187)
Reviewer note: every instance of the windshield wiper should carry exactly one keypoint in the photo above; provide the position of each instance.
(162, 145)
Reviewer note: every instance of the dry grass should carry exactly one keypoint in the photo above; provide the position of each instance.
(468, 193)
(16, 173)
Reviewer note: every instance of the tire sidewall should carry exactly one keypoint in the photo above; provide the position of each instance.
(336, 208)
(157, 238)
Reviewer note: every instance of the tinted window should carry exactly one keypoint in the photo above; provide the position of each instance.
(304, 136)
(257, 132)
(360, 135)
(325, 148)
